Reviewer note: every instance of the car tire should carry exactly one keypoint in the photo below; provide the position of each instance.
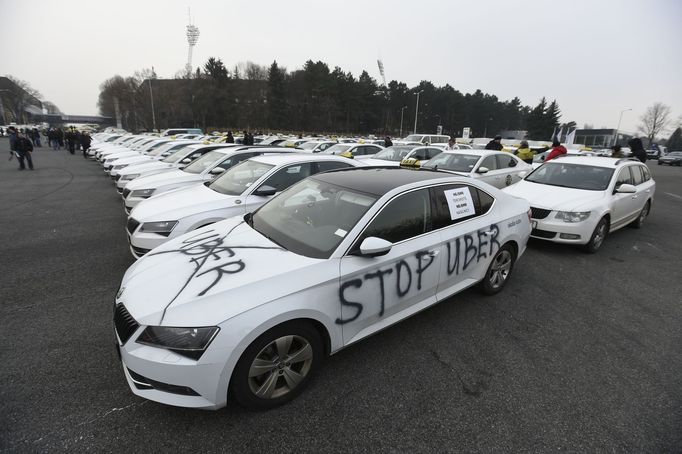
(660, 163)
(598, 236)
(499, 270)
(637, 223)
(263, 380)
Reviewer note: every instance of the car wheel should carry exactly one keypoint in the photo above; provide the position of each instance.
(499, 271)
(277, 366)
(637, 223)
(598, 236)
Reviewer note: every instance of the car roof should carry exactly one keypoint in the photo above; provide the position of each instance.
(476, 152)
(278, 159)
(378, 180)
(595, 161)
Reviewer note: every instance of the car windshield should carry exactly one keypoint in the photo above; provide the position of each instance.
(576, 176)
(204, 162)
(457, 162)
(176, 155)
(312, 217)
(308, 145)
(240, 177)
(414, 138)
(156, 149)
(396, 153)
(338, 148)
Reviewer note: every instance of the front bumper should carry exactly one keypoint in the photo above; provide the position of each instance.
(555, 230)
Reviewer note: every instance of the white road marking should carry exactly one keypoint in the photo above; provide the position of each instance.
(674, 195)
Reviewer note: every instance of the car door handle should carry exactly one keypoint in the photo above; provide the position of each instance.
(635, 196)
(489, 232)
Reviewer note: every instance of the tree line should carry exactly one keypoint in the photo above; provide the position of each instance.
(313, 99)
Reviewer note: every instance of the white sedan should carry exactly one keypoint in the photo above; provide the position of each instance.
(353, 149)
(394, 155)
(497, 168)
(239, 190)
(579, 200)
(246, 308)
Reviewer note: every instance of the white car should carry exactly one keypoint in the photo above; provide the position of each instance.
(147, 152)
(239, 190)
(497, 168)
(316, 146)
(393, 156)
(246, 308)
(353, 149)
(157, 154)
(579, 200)
(200, 170)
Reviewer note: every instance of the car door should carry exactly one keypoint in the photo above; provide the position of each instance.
(378, 291)
(491, 176)
(508, 168)
(643, 184)
(625, 206)
(469, 236)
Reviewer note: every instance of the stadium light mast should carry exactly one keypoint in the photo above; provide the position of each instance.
(192, 38)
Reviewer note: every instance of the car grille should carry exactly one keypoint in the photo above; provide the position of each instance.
(138, 251)
(542, 233)
(539, 213)
(124, 323)
(132, 225)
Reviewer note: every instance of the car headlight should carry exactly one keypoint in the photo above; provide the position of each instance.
(131, 176)
(189, 342)
(572, 216)
(144, 193)
(120, 166)
(162, 227)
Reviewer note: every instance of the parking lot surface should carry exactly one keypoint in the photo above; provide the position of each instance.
(578, 353)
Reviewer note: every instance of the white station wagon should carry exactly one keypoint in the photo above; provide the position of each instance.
(249, 306)
(579, 200)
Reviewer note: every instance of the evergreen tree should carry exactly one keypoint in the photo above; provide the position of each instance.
(675, 141)
(277, 102)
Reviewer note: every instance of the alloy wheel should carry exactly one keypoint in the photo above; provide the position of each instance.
(280, 367)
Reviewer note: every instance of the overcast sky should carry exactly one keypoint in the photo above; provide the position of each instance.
(595, 57)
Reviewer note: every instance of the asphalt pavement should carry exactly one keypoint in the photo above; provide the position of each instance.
(579, 353)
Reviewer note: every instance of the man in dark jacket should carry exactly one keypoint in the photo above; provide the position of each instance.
(23, 148)
(637, 148)
(495, 144)
(86, 140)
(12, 133)
(388, 142)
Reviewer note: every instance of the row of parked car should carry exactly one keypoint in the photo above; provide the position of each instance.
(257, 261)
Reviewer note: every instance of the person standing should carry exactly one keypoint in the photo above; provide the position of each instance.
(12, 134)
(229, 138)
(451, 145)
(557, 150)
(60, 138)
(86, 140)
(616, 152)
(23, 148)
(388, 142)
(524, 152)
(70, 137)
(495, 144)
(637, 148)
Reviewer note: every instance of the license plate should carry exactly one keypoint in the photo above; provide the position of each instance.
(534, 224)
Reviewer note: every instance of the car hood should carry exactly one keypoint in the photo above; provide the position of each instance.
(145, 166)
(553, 197)
(211, 274)
(133, 159)
(162, 179)
(180, 203)
(379, 162)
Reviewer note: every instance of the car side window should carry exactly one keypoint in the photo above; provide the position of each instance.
(624, 177)
(235, 159)
(331, 165)
(637, 176)
(504, 161)
(431, 152)
(289, 175)
(404, 217)
(323, 147)
(419, 153)
(645, 172)
(443, 216)
(490, 162)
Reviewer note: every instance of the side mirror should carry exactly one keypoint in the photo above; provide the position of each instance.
(217, 170)
(374, 247)
(186, 161)
(265, 191)
(626, 189)
(482, 170)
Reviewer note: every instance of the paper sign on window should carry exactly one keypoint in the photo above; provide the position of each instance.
(460, 203)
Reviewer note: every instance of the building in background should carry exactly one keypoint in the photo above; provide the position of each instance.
(601, 138)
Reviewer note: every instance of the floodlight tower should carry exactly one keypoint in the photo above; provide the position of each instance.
(192, 38)
(381, 70)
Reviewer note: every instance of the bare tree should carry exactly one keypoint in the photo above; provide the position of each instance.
(655, 120)
(19, 100)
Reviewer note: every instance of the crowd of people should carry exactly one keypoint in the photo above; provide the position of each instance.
(23, 141)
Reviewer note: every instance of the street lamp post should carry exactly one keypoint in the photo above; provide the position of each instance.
(615, 136)
(151, 96)
(416, 111)
(402, 111)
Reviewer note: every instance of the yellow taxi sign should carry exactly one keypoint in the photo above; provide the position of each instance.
(346, 154)
(411, 162)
